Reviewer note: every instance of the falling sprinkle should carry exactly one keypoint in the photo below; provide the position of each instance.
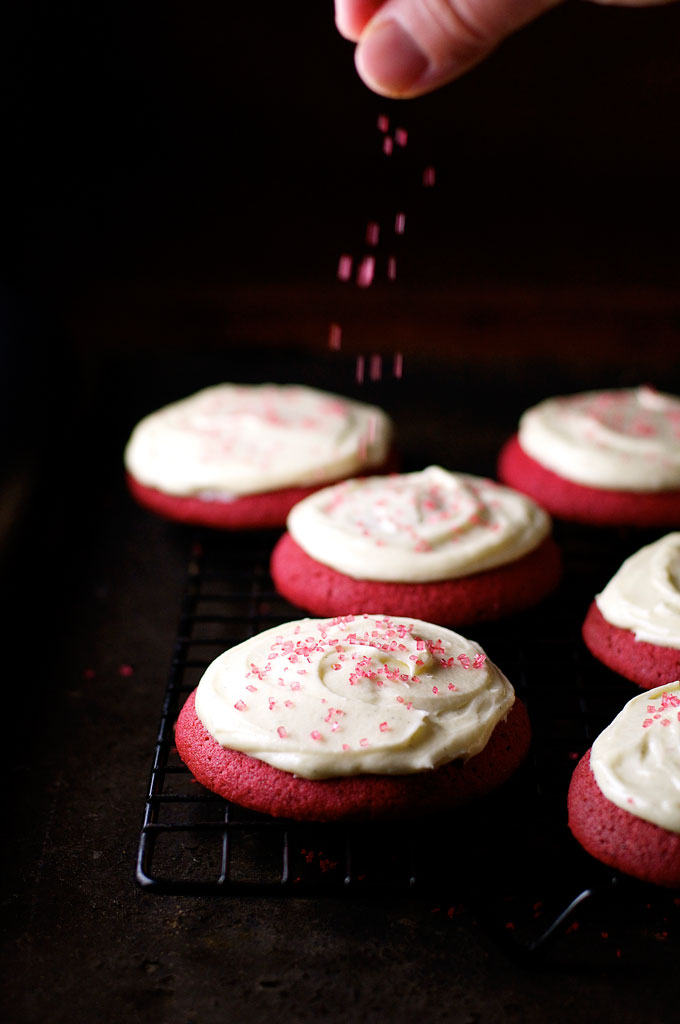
(399, 223)
(401, 137)
(429, 177)
(345, 264)
(125, 671)
(372, 233)
(334, 337)
(398, 365)
(388, 145)
(375, 370)
(383, 123)
(391, 269)
(359, 374)
(366, 272)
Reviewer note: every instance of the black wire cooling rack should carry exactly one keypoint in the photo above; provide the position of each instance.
(510, 858)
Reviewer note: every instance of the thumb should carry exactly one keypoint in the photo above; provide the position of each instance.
(410, 47)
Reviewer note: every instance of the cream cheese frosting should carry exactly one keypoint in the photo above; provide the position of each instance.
(644, 594)
(235, 439)
(417, 527)
(636, 760)
(626, 439)
(323, 698)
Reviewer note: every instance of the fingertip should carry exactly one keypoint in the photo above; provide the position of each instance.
(389, 60)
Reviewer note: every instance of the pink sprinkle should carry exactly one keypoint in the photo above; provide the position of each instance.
(240, 706)
(464, 660)
(359, 373)
(400, 700)
(398, 365)
(282, 733)
(435, 689)
(345, 267)
(451, 686)
(272, 703)
(334, 726)
(253, 689)
(399, 223)
(125, 671)
(315, 734)
(383, 123)
(366, 271)
(375, 371)
(647, 722)
(384, 726)
(401, 137)
(429, 177)
(372, 232)
(363, 742)
(334, 337)
(479, 661)
(388, 145)
(391, 268)
(345, 746)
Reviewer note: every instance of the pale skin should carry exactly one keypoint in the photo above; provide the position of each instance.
(406, 48)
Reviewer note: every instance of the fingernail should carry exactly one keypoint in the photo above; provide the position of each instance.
(389, 58)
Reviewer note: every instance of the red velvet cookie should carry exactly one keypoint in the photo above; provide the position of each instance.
(648, 665)
(617, 838)
(235, 456)
(576, 502)
(257, 785)
(479, 597)
(249, 511)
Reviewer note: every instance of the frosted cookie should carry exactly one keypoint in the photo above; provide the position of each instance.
(447, 547)
(624, 797)
(633, 626)
(601, 457)
(237, 455)
(358, 717)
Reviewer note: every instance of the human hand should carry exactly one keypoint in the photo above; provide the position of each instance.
(409, 47)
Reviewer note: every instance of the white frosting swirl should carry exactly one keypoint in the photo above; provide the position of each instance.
(235, 439)
(636, 760)
(644, 594)
(362, 693)
(414, 527)
(627, 440)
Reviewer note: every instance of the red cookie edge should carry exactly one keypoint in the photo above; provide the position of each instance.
(257, 785)
(480, 597)
(582, 504)
(617, 838)
(647, 665)
(249, 511)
